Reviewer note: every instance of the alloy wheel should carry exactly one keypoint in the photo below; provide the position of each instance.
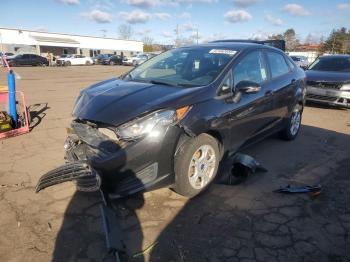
(295, 122)
(202, 166)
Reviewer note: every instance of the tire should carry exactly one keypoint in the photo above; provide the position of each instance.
(134, 63)
(188, 162)
(292, 127)
(67, 63)
(87, 63)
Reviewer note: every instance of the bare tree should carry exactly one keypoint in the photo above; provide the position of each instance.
(125, 31)
(147, 40)
(291, 39)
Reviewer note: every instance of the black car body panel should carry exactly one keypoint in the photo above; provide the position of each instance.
(113, 60)
(326, 86)
(235, 119)
(27, 60)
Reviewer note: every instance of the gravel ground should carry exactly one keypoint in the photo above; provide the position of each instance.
(246, 222)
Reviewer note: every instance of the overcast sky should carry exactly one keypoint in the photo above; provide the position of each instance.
(158, 18)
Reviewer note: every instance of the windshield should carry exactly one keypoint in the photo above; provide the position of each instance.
(194, 66)
(341, 64)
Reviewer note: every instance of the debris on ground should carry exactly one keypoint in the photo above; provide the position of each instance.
(145, 251)
(314, 190)
(242, 166)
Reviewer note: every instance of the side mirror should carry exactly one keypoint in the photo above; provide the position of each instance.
(248, 87)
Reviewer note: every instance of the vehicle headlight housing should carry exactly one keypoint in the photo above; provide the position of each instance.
(149, 124)
(345, 87)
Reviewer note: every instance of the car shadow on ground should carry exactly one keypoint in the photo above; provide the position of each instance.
(246, 222)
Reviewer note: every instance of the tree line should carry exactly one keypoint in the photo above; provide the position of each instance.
(337, 42)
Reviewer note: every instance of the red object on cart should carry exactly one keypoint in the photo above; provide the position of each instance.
(23, 116)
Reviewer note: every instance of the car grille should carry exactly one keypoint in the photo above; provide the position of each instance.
(323, 98)
(325, 85)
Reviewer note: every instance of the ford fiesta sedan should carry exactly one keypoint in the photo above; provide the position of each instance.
(169, 121)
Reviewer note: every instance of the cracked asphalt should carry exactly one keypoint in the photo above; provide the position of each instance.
(246, 222)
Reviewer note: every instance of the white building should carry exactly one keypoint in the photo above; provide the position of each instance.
(20, 41)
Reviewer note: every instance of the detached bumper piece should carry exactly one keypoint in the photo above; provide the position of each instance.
(86, 178)
(242, 166)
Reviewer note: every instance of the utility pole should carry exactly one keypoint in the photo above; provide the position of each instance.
(2, 48)
(177, 35)
(197, 35)
(104, 31)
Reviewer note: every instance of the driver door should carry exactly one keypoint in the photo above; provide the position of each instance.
(250, 115)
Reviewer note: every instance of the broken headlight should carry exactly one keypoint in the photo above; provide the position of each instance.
(148, 124)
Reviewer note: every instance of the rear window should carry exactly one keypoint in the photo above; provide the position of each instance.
(341, 64)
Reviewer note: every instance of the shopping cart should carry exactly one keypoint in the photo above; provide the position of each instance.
(23, 118)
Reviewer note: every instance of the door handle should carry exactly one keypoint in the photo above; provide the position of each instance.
(269, 93)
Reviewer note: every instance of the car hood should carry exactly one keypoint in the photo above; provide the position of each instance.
(327, 76)
(116, 101)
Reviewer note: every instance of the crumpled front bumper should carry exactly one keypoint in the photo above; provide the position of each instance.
(329, 96)
(120, 168)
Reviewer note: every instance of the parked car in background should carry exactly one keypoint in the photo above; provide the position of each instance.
(74, 60)
(99, 58)
(169, 121)
(301, 61)
(137, 59)
(27, 60)
(328, 80)
(113, 60)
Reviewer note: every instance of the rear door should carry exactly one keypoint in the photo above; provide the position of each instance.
(25, 60)
(34, 60)
(282, 84)
(252, 113)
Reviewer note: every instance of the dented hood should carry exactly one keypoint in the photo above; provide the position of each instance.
(116, 101)
(327, 76)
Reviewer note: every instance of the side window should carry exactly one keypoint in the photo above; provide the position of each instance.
(290, 62)
(251, 67)
(277, 63)
(25, 57)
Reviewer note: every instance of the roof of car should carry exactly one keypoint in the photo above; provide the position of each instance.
(233, 45)
(335, 56)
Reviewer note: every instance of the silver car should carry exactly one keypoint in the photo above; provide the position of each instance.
(301, 61)
(328, 80)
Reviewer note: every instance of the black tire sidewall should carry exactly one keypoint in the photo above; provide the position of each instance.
(182, 162)
(286, 134)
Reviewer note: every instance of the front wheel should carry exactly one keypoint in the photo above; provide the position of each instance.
(196, 165)
(292, 127)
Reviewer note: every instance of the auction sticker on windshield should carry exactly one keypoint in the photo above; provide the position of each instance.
(223, 52)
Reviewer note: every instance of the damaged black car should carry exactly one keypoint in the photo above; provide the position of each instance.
(170, 121)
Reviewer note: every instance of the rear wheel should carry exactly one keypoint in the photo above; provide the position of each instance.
(291, 130)
(87, 63)
(196, 165)
(67, 63)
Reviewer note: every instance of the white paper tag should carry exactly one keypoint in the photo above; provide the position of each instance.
(196, 64)
(223, 52)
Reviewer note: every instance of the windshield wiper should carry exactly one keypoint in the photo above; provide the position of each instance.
(156, 82)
